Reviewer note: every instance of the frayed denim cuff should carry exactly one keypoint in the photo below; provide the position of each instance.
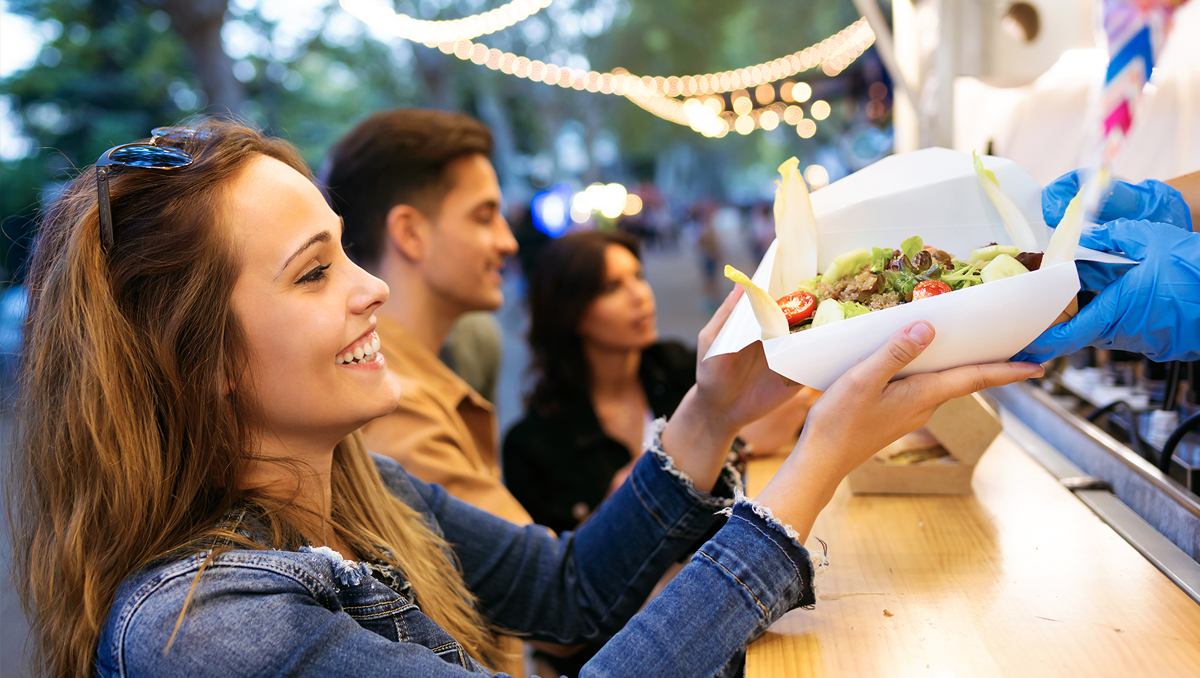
(798, 570)
(729, 484)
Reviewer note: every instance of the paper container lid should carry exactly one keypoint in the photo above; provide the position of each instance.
(932, 193)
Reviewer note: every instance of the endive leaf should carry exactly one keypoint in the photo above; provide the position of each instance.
(796, 231)
(1065, 240)
(1014, 222)
(770, 317)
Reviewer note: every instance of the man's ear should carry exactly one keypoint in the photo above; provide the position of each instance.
(408, 231)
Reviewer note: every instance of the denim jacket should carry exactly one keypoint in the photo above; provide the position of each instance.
(284, 613)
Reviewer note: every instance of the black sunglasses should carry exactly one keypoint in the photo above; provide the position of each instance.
(158, 154)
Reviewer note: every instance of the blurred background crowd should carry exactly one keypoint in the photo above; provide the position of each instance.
(81, 75)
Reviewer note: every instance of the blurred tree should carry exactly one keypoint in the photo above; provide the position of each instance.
(199, 23)
(111, 72)
(114, 69)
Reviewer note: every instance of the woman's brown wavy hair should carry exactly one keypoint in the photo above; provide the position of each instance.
(127, 450)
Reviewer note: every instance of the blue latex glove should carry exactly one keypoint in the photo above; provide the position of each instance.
(1148, 201)
(1152, 308)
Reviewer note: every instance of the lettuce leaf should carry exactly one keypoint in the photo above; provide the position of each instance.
(853, 308)
(902, 282)
(809, 285)
(964, 275)
(879, 259)
(910, 247)
(1014, 222)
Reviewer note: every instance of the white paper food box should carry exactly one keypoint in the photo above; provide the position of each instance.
(932, 193)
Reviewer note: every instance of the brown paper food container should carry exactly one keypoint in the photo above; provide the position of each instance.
(943, 455)
(1070, 312)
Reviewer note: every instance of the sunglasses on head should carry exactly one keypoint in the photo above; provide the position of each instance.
(159, 153)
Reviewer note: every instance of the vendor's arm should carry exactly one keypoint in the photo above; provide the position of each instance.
(1152, 308)
(1169, 202)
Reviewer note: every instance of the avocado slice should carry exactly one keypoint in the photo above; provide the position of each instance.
(1003, 266)
(829, 311)
(991, 252)
(849, 263)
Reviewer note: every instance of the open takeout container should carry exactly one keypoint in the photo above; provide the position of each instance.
(963, 429)
(935, 194)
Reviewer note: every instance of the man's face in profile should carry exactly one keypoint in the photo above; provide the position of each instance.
(470, 238)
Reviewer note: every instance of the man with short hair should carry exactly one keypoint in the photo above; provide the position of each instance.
(422, 211)
(421, 206)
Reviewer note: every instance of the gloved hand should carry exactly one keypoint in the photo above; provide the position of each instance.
(1152, 308)
(1149, 201)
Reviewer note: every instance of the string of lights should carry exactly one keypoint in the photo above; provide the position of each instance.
(703, 108)
(706, 114)
(381, 16)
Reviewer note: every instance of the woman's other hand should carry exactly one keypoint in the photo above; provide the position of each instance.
(776, 432)
(863, 412)
(737, 388)
(731, 391)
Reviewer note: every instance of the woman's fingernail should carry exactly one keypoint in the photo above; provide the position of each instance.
(1039, 372)
(921, 333)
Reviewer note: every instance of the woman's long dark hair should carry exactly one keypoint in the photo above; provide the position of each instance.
(567, 276)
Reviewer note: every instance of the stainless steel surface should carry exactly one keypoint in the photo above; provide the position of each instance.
(1165, 555)
(1146, 398)
(1163, 503)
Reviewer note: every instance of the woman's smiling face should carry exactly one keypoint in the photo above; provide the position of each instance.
(306, 309)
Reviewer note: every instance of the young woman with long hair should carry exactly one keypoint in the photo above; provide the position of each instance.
(193, 497)
(602, 375)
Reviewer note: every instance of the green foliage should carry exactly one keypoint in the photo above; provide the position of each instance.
(117, 68)
(103, 80)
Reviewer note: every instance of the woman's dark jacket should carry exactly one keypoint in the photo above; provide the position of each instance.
(559, 464)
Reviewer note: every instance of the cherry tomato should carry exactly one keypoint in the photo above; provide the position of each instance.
(798, 306)
(929, 288)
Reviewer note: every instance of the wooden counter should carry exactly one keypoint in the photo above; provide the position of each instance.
(1020, 579)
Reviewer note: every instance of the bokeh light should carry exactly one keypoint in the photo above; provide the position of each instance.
(816, 176)
(765, 94)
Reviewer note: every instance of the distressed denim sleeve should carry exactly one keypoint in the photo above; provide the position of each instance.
(741, 581)
(585, 585)
(588, 585)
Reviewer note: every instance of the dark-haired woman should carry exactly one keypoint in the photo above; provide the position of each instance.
(194, 496)
(602, 378)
